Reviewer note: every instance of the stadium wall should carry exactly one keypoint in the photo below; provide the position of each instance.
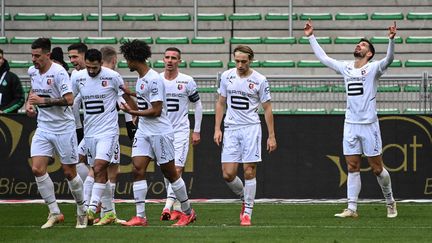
(308, 163)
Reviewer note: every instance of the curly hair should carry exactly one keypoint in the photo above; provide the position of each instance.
(135, 50)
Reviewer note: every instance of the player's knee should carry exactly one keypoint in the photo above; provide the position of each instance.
(377, 170)
(228, 177)
(38, 171)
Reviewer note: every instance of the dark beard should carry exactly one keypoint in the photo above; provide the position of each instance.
(358, 54)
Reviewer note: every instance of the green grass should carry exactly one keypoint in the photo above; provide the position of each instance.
(220, 223)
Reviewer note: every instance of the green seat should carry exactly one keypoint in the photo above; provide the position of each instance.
(255, 63)
(139, 17)
(418, 40)
(320, 39)
(337, 111)
(385, 40)
(175, 17)
(211, 17)
(208, 40)
(310, 64)
(310, 111)
(7, 16)
(31, 16)
(338, 89)
(105, 17)
(3, 40)
(412, 88)
(389, 88)
(280, 16)
(347, 40)
(70, 65)
(146, 39)
(351, 16)
(245, 40)
(418, 63)
(67, 17)
(282, 89)
(20, 64)
(206, 64)
(396, 63)
(282, 111)
(23, 40)
(172, 40)
(387, 16)
(279, 40)
(207, 90)
(419, 15)
(388, 111)
(161, 64)
(100, 40)
(313, 89)
(316, 16)
(245, 16)
(123, 64)
(278, 63)
(65, 40)
(414, 111)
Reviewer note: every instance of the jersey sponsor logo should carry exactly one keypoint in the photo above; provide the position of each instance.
(180, 87)
(64, 87)
(104, 83)
(267, 90)
(181, 82)
(154, 91)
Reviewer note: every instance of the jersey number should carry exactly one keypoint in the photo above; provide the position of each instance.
(94, 107)
(44, 106)
(239, 103)
(355, 89)
(142, 104)
(173, 105)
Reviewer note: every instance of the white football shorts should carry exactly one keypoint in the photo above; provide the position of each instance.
(181, 146)
(47, 144)
(82, 150)
(362, 139)
(242, 145)
(102, 148)
(158, 147)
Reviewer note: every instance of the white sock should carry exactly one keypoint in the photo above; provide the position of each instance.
(353, 189)
(98, 190)
(170, 195)
(249, 195)
(106, 199)
(82, 170)
(179, 189)
(113, 187)
(46, 189)
(237, 187)
(385, 182)
(76, 188)
(177, 206)
(88, 187)
(140, 193)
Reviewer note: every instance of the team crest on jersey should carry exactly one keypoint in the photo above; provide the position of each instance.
(180, 87)
(363, 71)
(251, 85)
(104, 83)
(49, 81)
(142, 86)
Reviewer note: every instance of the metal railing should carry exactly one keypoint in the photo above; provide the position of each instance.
(325, 94)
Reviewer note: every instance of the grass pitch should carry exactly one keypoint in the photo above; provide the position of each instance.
(220, 223)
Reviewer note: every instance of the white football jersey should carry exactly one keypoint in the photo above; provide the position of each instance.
(179, 92)
(99, 96)
(243, 95)
(53, 84)
(360, 83)
(151, 88)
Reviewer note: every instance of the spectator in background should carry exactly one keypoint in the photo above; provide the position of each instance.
(11, 91)
(57, 57)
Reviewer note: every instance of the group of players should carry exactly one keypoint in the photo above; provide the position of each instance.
(159, 110)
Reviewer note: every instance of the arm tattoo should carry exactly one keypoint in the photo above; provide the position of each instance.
(56, 101)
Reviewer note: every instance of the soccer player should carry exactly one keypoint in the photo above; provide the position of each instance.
(154, 137)
(76, 54)
(100, 89)
(241, 90)
(181, 90)
(51, 93)
(361, 128)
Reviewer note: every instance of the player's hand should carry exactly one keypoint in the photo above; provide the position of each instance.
(217, 137)
(392, 30)
(127, 91)
(308, 29)
(196, 138)
(34, 99)
(125, 107)
(30, 110)
(271, 144)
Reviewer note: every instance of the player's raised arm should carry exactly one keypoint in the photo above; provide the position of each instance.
(308, 29)
(388, 59)
(392, 31)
